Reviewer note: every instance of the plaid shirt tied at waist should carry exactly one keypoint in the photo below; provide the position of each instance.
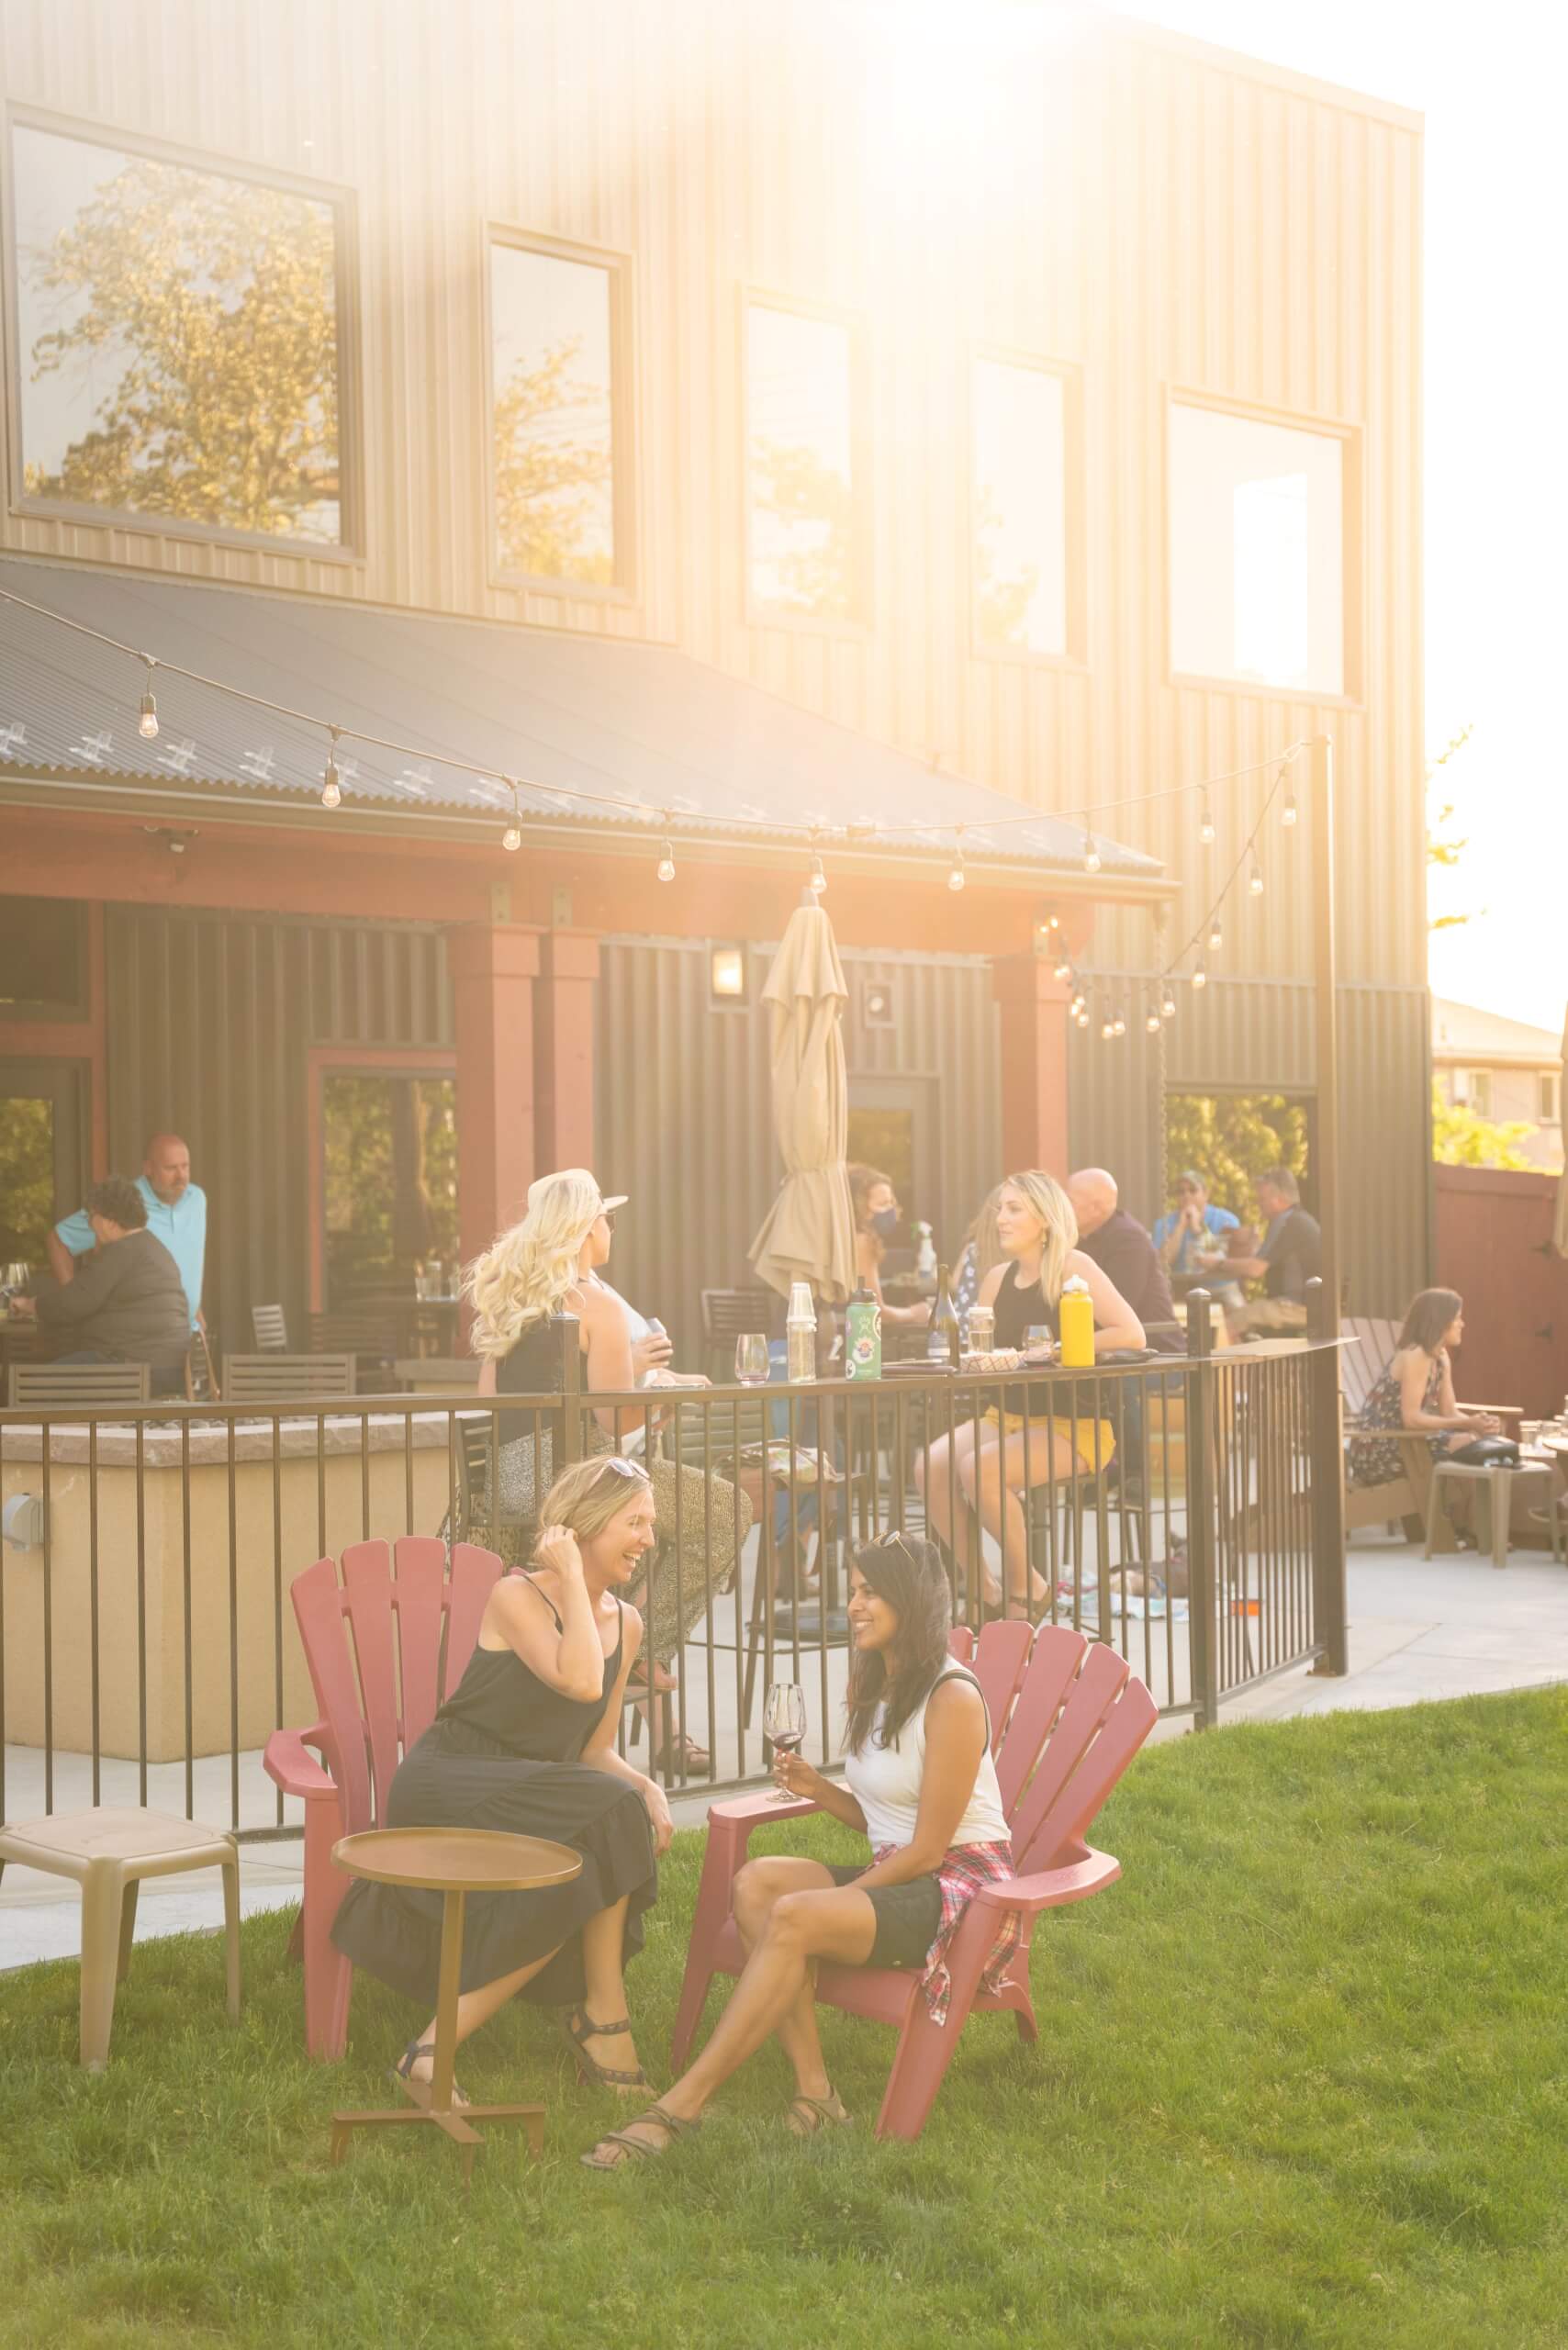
(960, 1874)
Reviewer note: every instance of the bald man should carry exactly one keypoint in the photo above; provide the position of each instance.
(1123, 1251)
(176, 1214)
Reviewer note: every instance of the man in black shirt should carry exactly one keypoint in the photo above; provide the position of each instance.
(127, 1304)
(1290, 1254)
(1124, 1252)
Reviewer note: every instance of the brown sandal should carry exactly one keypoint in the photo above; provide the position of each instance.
(814, 2112)
(639, 2148)
(579, 2028)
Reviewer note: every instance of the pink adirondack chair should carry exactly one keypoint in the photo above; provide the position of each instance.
(370, 1718)
(1057, 1701)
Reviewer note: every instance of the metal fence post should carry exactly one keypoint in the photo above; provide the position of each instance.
(1201, 1624)
(571, 1389)
(1330, 1622)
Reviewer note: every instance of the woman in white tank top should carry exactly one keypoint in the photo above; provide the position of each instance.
(921, 1784)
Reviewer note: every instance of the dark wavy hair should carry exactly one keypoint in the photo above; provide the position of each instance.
(908, 1575)
(117, 1198)
(1431, 1311)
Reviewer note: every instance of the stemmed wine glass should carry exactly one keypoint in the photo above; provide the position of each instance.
(751, 1358)
(784, 1720)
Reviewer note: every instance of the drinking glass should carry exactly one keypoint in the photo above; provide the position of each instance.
(751, 1358)
(1037, 1338)
(784, 1720)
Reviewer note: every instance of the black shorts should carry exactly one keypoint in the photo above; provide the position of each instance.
(909, 1917)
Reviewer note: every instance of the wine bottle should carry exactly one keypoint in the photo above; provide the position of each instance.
(944, 1340)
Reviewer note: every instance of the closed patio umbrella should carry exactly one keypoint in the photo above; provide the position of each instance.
(808, 1235)
(1560, 1222)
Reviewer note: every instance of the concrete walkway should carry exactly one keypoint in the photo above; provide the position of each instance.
(1419, 1630)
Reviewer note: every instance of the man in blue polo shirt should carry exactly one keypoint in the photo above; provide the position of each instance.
(176, 1214)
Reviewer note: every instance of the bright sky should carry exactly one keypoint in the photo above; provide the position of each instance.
(1489, 81)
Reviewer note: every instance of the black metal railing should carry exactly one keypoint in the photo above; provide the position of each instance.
(1184, 1508)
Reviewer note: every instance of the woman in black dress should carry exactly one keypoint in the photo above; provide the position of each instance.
(526, 1744)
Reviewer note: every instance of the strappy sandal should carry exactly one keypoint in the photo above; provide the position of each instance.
(814, 2114)
(403, 2070)
(679, 1753)
(638, 2149)
(579, 2028)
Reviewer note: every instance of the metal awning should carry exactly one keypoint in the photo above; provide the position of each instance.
(666, 741)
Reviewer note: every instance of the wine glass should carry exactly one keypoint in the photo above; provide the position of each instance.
(784, 1720)
(751, 1358)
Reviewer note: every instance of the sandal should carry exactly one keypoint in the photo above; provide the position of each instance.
(403, 2070)
(579, 2028)
(681, 1753)
(639, 2148)
(814, 2114)
(637, 1678)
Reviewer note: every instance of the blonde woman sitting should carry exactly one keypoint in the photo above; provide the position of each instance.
(526, 1744)
(994, 1461)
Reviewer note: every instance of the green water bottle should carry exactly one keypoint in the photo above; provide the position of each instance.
(863, 1337)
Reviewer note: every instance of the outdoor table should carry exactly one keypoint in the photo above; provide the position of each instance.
(1497, 1484)
(453, 1861)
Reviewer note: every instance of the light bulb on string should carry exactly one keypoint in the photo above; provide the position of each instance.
(1288, 812)
(1107, 1029)
(955, 878)
(1254, 879)
(1083, 1015)
(1168, 1002)
(1090, 854)
(1206, 821)
(817, 878)
(1200, 975)
(1063, 968)
(665, 867)
(1153, 1021)
(332, 783)
(147, 723)
(1119, 1022)
(1216, 936)
(511, 839)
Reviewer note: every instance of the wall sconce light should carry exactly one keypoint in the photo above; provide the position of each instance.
(726, 972)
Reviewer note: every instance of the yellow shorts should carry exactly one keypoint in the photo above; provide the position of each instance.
(1092, 1440)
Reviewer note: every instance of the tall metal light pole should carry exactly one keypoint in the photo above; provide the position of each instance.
(1328, 1461)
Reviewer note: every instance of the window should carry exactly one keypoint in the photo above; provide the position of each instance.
(179, 342)
(1477, 1090)
(43, 960)
(804, 530)
(1018, 517)
(389, 1181)
(1257, 534)
(562, 474)
(1546, 1098)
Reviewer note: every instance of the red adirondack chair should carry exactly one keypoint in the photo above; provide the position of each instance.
(1057, 1701)
(369, 1717)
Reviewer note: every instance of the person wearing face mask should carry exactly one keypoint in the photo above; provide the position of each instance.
(877, 1218)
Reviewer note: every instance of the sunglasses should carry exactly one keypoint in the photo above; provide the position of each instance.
(616, 1464)
(608, 1216)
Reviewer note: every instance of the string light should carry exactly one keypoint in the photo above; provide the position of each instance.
(1083, 1013)
(1206, 821)
(1119, 1022)
(1107, 1029)
(511, 839)
(147, 723)
(1076, 1005)
(1255, 878)
(1200, 976)
(331, 785)
(1288, 812)
(1090, 854)
(1153, 1023)
(1216, 935)
(955, 878)
(1063, 970)
(1168, 1002)
(817, 879)
(666, 867)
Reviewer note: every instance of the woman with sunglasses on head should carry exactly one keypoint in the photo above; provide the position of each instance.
(921, 1785)
(526, 1744)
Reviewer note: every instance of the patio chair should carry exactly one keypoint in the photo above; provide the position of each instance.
(1066, 1719)
(269, 1329)
(728, 1315)
(57, 1386)
(201, 1380)
(347, 1633)
(286, 1378)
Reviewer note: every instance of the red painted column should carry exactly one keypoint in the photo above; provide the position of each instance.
(493, 970)
(564, 1044)
(1034, 1063)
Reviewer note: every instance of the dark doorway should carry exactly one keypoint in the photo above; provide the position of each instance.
(892, 1126)
(389, 1181)
(43, 1159)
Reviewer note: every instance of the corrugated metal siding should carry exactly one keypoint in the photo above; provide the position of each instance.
(1238, 1036)
(1153, 215)
(210, 1019)
(684, 1112)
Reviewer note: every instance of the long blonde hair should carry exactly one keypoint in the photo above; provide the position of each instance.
(1059, 1228)
(589, 1494)
(981, 1235)
(524, 1275)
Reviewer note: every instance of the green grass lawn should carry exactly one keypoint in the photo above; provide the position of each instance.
(1303, 2079)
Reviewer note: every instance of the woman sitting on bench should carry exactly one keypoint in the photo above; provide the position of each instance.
(1415, 1391)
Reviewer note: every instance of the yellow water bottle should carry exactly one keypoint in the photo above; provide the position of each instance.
(1075, 1324)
